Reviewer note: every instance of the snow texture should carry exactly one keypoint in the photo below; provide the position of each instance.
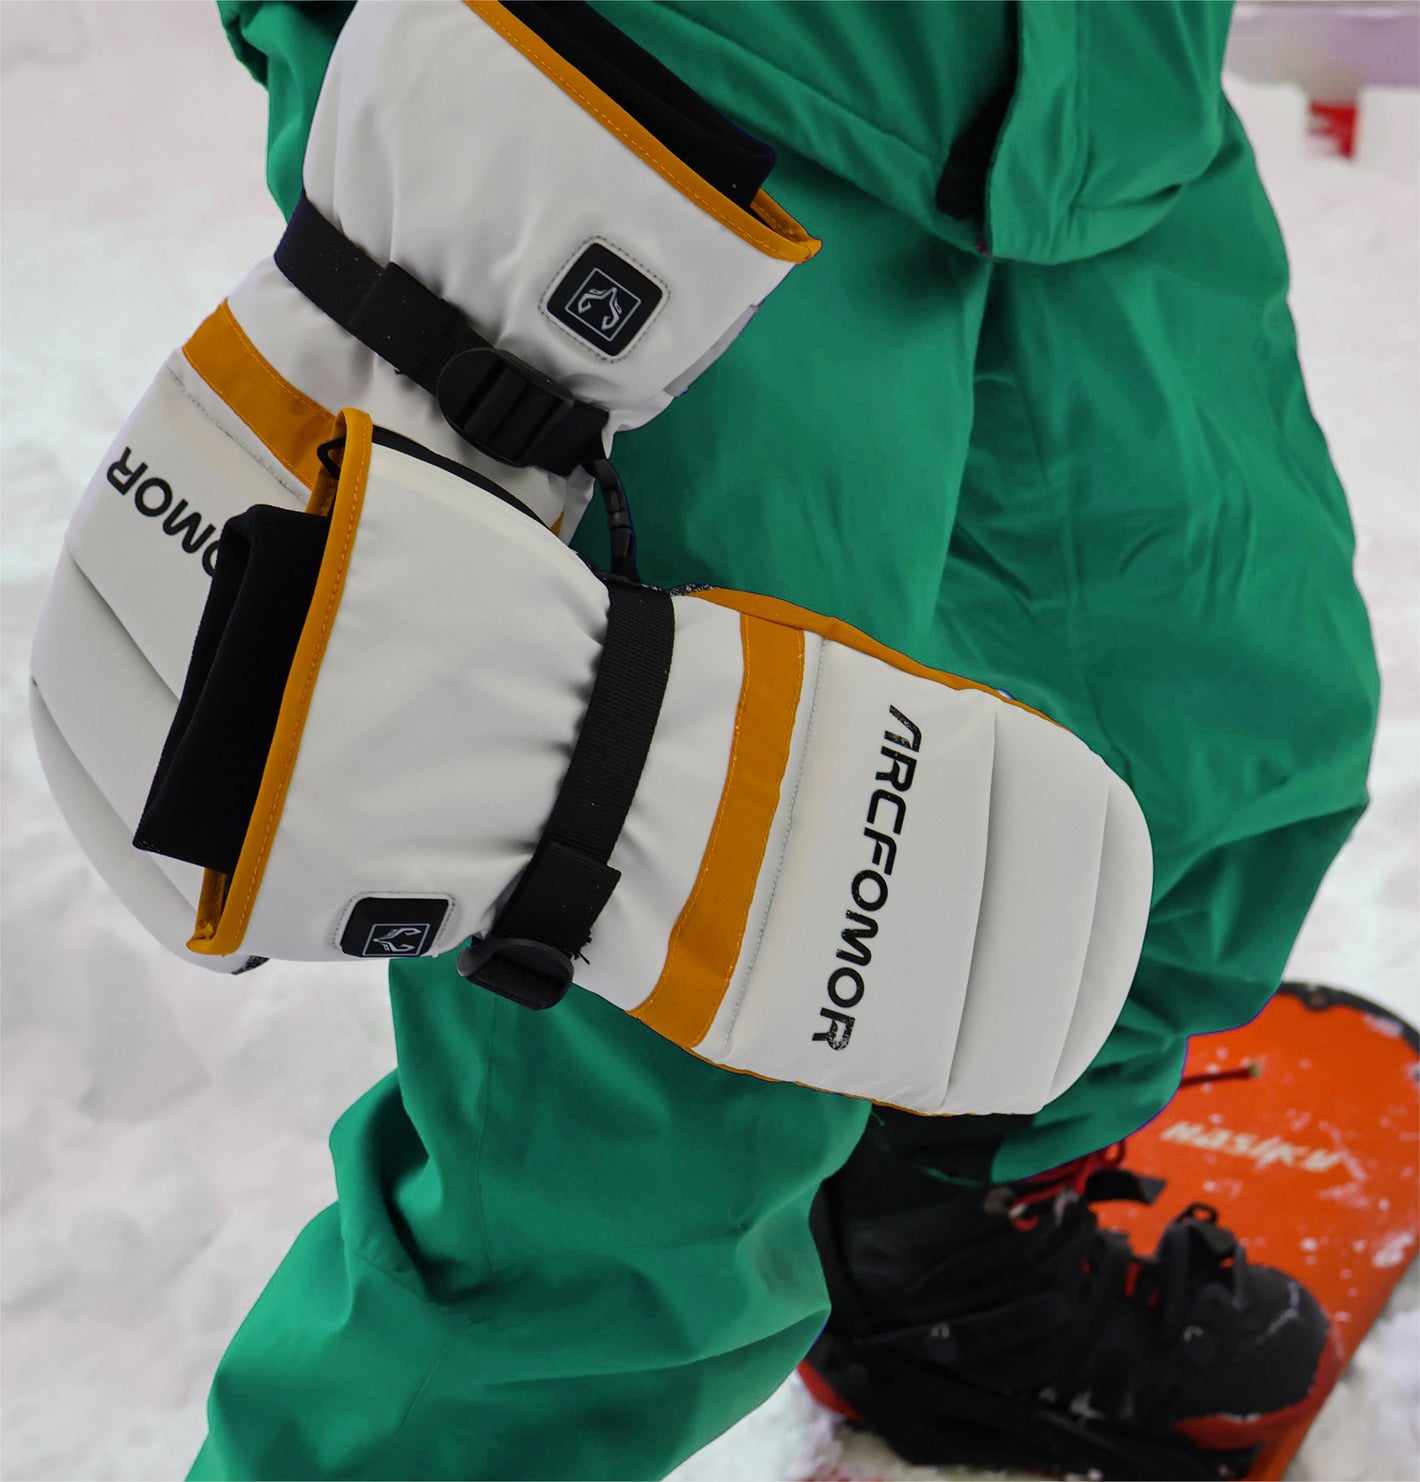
(163, 1131)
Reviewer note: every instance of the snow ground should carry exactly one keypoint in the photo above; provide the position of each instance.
(163, 1132)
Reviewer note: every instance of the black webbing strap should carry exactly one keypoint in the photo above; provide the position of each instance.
(527, 954)
(491, 399)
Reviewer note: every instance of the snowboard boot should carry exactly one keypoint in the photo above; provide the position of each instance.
(1003, 1327)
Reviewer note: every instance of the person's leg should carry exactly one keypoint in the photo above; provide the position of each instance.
(563, 1247)
(1153, 547)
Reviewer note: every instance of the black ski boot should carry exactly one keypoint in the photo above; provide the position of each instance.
(1002, 1327)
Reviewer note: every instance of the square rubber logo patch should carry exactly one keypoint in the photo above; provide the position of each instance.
(604, 300)
(392, 926)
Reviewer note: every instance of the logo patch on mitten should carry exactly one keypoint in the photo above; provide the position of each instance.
(603, 299)
(392, 926)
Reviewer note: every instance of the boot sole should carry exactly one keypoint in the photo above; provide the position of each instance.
(932, 1419)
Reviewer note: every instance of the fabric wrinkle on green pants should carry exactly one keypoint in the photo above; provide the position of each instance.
(563, 1247)
(470, 1308)
(1152, 547)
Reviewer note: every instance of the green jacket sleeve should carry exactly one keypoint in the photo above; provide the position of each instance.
(285, 45)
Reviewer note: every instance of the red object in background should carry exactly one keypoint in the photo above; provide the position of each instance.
(1335, 123)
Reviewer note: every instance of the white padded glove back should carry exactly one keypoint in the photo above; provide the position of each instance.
(457, 177)
(839, 867)
(115, 633)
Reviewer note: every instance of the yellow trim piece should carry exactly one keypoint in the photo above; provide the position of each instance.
(287, 421)
(705, 942)
(769, 228)
(226, 905)
(772, 610)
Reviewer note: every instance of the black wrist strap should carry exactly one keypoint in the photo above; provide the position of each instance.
(494, 401)
(527, 953)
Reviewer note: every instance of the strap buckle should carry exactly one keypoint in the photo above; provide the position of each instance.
(531, 973)
(501, 405)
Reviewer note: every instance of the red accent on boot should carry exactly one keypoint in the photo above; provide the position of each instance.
(1044, 1188)
(1233, 1432)
(825, 1394)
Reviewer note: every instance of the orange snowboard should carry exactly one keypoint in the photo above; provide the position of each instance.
(1309, 1154)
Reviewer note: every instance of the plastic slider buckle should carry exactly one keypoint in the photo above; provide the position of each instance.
(535, 974)
(502, 406)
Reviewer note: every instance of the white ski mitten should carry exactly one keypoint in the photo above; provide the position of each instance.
(782, 846)
(537, 245)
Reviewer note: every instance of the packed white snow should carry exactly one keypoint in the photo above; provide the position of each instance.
(163, 1131)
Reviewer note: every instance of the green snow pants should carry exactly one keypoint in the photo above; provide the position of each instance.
(565, 1249)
